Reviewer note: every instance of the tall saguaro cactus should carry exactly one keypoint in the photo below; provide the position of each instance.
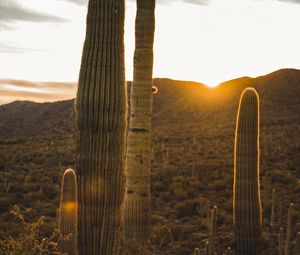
(101, 111)
(246, 202)
(137, 195)
(68, 211)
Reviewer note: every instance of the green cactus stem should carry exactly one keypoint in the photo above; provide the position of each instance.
(247, 202)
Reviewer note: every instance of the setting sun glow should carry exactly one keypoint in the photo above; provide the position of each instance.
(208, 43)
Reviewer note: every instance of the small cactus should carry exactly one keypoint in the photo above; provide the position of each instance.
(280, 241)
(207, 247)
(273, 203)
(228, 251)
(68, 211)
(288, 229)
(196, 251)
(213, 230)
(6, 185)
(297, 245)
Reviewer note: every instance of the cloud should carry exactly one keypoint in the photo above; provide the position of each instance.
(201, 2)
(11, 90)
(291, 1)
(11, 11)
(167, 2)
(8, 47)
(79, 2)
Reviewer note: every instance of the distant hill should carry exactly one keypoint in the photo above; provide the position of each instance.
(176, 103)
(192, 157)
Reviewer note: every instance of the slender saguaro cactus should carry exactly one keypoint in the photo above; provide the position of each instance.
(196, 251)
(273, 203)
(297, 245)
(101, 120)
(228, 251)
(280, 241)
(137, 196)
(289, 229)
(208, 214)
(207, 247)
(68, 211)
(213, 230)
(247, 202)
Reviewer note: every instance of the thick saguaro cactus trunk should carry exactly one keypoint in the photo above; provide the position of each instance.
(137, 196)
(68, 211)
(101, 110)
(247, 203)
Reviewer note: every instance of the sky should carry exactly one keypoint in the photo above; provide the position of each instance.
(208, 41)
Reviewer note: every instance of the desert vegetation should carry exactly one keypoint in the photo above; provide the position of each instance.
(208, 194)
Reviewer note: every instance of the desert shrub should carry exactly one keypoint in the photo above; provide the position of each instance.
(4, 204)
(165, 196)
(29, 242)
(179, 249)
(134, 247)
(162, 236)
(157, 187)
(179, 193)
(185, 208)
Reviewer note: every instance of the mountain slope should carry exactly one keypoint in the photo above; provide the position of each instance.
(192, 159)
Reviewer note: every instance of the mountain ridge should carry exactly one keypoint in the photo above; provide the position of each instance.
(174, 97)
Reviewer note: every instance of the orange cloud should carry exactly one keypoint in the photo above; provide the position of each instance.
(11, 90)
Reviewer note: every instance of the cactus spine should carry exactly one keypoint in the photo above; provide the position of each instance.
(297, 245)
(68, 211)
(288, 229)
(137, 195)
(247, 202)
(101, 120)
(213, 230)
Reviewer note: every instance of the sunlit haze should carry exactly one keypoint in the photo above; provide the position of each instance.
(205, 41)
